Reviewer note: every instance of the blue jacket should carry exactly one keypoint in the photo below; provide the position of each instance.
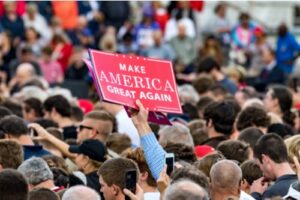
(286, 50)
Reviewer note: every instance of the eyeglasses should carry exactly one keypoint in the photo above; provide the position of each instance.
(81, 127)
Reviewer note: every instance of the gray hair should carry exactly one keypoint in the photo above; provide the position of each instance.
(188, 94)
(185, 190)
(35, 170)
(177, 133)
(80, 193)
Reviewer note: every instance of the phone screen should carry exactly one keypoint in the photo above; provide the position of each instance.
(170, 163)
(130, 182)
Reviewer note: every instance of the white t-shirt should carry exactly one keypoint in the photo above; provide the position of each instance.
(245, 196)
(125, 125)
(152, 196)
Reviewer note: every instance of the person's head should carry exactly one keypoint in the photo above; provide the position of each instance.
(137, 155)
(282, 30)
(4, 112)
(252, 117)
(268, 56)
(36, 172)
(113, 175)
(225, 178)
(96, 125)
(10, 7)
(24, 73)
(218, 92)
(77, 114)
(56, 162)
(181, 29)
(118, 142)
(32, 109)
(202, 104)
(220, 10)
(57, 107)
(191, 173)
(181, 151)
(250, 136)
(202, 84)
(208, 66)
(220, 117)
(80, 193)
(11, 154)
(199, 135)
(205, 163)
(270, 151)
(31, 10)
(283, 130)
(157, 37)
(235, 150)
(13, 127)
(280, 101)
(176, 134)
(31, 34)
(13, 185)
(81, 23)
(251, 172)
(46, 123)
(42, 194)
(245, 94)
(187, 94)
(47, 53)
(244, 20)
(185, 190)
(90, 153)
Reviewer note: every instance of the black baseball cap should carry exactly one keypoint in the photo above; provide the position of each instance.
(94, 149)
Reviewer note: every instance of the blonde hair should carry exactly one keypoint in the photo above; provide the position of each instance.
(293, 147)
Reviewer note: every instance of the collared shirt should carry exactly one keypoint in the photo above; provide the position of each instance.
(34, 150)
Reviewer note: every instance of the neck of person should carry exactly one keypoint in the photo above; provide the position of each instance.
(25, 140)
(282, 169)
(49, 184)
(221, 194)
(212, 133)
(147, 188)
(218, 76)
(64, 122)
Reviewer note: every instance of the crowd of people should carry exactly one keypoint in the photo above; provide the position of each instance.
(238, 136)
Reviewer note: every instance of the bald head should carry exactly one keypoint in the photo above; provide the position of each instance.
(80, 193)
(226, 174)
(185, 190)
(181, 29)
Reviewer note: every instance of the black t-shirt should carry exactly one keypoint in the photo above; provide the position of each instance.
(93, 182)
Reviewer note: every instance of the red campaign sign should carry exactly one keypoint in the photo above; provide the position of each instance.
(122, 79)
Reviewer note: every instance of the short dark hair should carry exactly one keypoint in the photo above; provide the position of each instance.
(250, 135)
(4, 112)
(203, 103)
(203, 83)
(43, 194)
(251, 171)
(191, 173)
(13, 185)
(205, 164)
(199, 136)
(60, 103)
(252, 116)
(118, 142)
(234, 150)
(283, 130)
(14, 125)
(113, 171)
(35, 104)
(77, 113)
(273, 146)
(219, 90)
(11, 154)
(46, 123)
(222, 114)
(207, 64)
(182, 152)
(13, 106)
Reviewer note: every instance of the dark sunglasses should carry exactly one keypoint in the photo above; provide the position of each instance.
(81, 127)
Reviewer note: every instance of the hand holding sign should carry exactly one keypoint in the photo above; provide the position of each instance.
(140, 119)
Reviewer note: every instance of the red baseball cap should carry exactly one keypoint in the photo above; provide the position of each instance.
(203, 150)
(85, 105)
